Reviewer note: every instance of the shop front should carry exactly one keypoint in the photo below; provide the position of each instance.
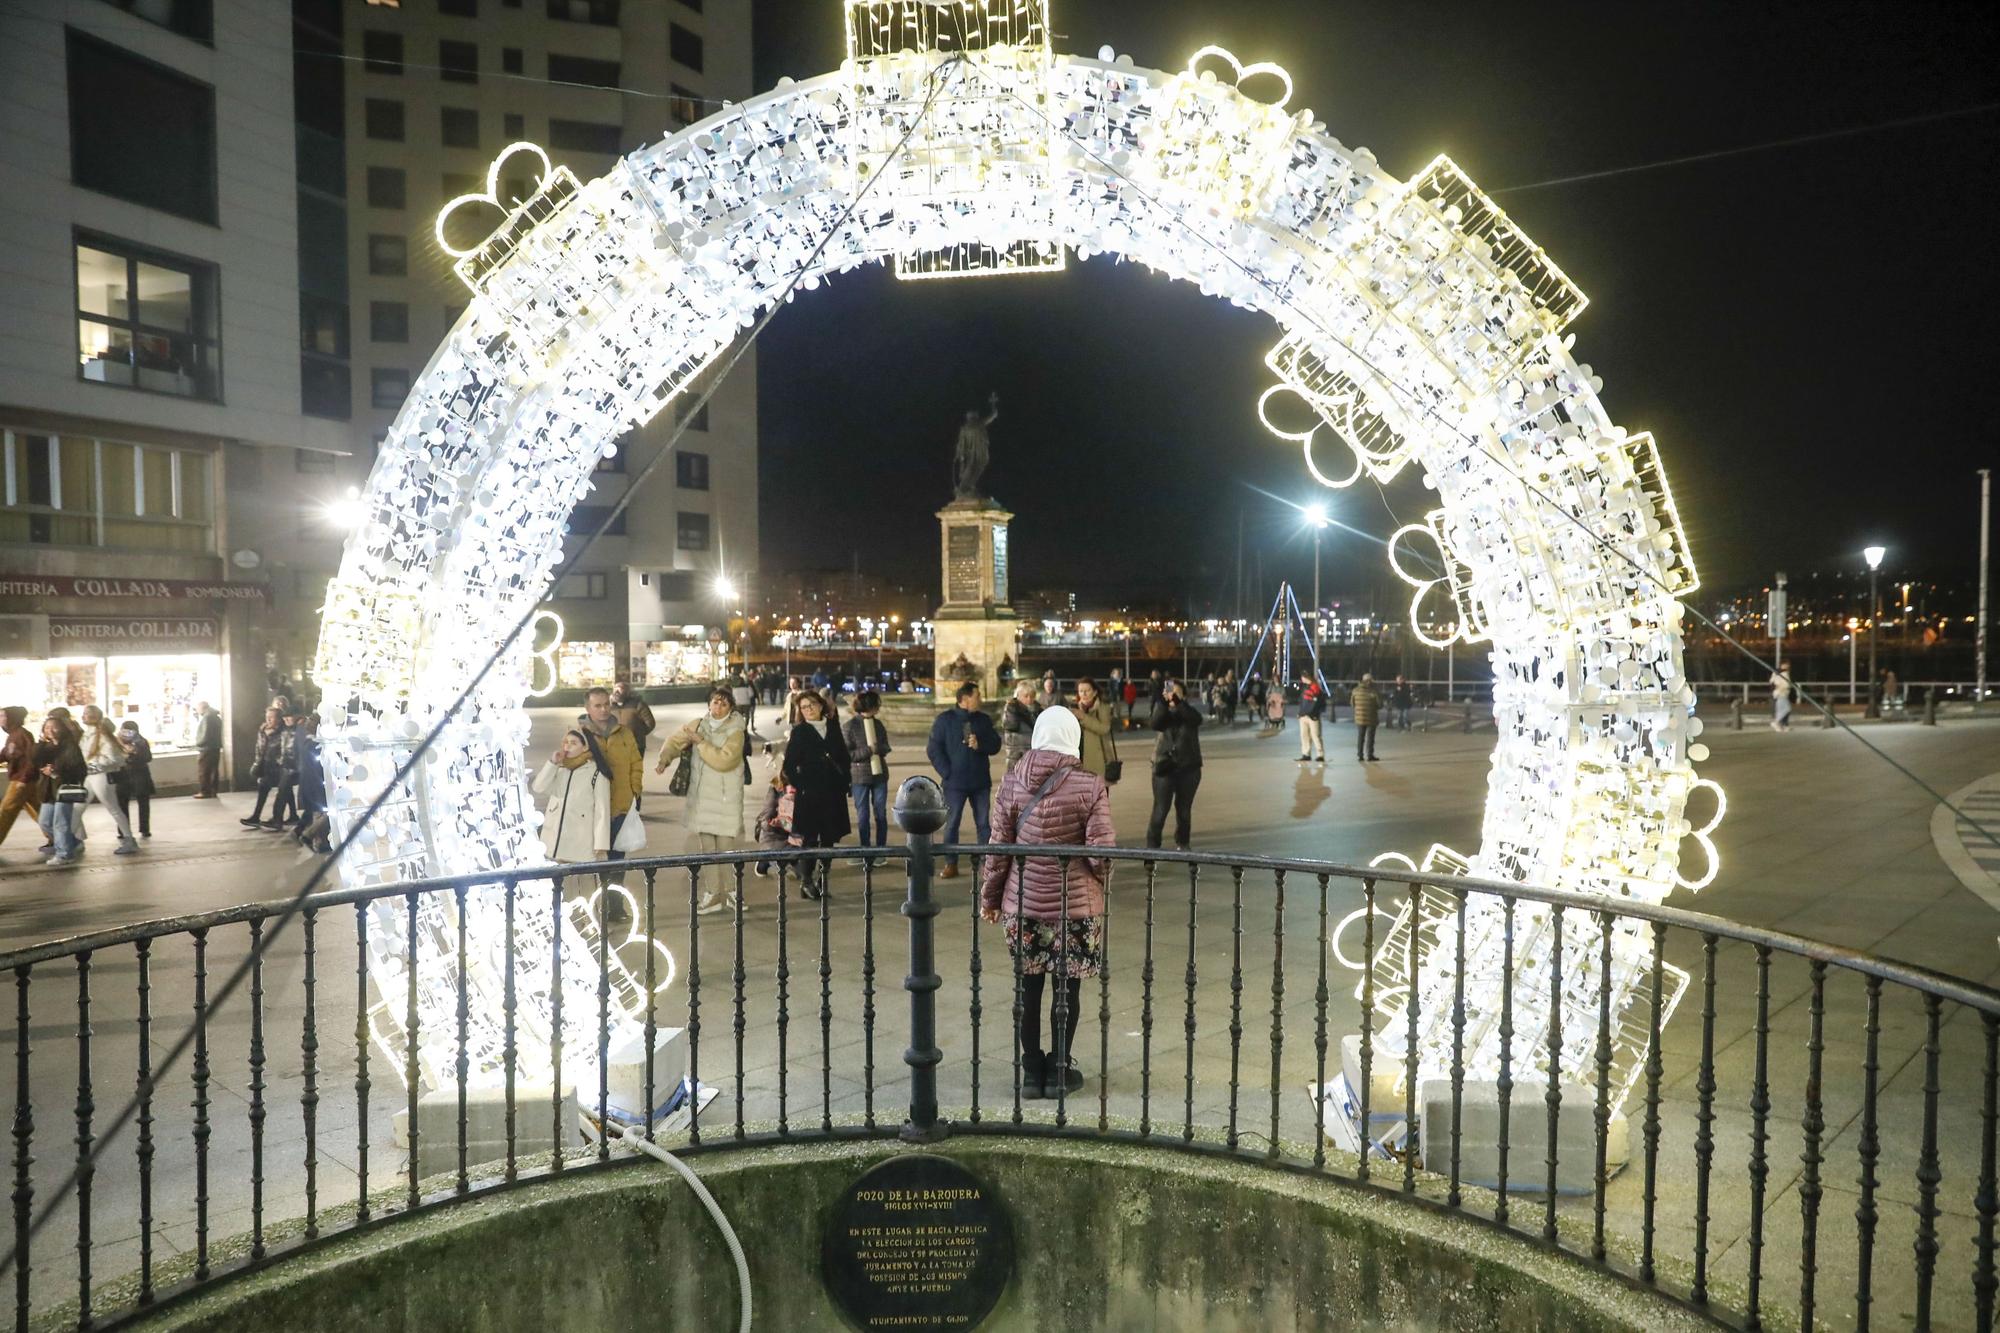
(149, 664)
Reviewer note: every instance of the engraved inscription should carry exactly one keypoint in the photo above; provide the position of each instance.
(961, 575)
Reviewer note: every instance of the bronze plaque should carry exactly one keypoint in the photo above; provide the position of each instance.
(961, 572)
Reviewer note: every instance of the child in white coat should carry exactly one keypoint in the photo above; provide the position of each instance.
(575, 785)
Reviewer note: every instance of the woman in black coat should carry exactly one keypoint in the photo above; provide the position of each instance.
(816, 769)
(134, 782)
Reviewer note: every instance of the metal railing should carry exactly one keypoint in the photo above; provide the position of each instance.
(272, 1138)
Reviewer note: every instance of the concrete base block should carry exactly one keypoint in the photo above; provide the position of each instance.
(1527, 1136)
(627, 1100)
(486, 1126)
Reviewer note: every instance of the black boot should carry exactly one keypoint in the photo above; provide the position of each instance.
(1034, 1068)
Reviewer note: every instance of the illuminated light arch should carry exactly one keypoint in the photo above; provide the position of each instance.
(596, 304)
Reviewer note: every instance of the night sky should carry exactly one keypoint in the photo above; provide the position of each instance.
(1805, 329)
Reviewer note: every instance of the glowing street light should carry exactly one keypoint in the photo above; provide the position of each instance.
(1316, 516)
(347, 513)
(725, 588)
(1873, 555)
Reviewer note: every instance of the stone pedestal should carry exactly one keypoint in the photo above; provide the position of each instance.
(974, 622)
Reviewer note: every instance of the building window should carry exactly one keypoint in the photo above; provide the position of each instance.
(615, 463)
(387, 388)
(72, 490)
(691, 533)
(388, 256)
(140, 131)
(696, 419)
(683, 104)
(382, 52)
(684, 47)
(458, 62)
(584, 519)
(592, 587)
(146, 320)
(510, 60)
(384, 119)
(314, 461)
(322, 326)
(326, 388)
(189, 18)
(581, 69)
(459, 127)
(514, 126)
(603, 13)
(459, 9)
(691, 471)
(584, 136)
(386, 187)
(460, 183)
(388, 322)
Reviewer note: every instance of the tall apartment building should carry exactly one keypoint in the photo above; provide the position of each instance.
(163, 538)
(428, 94)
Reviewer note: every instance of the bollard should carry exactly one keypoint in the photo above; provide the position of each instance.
(1826, 721)
(1930, 707)
(1466, 726)
(1736, 714)
(920, 814)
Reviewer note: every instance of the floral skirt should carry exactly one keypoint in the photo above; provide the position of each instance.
(1041, 951)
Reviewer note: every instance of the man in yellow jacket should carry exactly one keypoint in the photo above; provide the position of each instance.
(621, 751)
(1367, 705)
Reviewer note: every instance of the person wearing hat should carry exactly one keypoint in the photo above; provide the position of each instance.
(1052, 910)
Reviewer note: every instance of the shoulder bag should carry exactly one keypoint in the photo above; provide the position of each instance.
(683, 777)
(1114, 767)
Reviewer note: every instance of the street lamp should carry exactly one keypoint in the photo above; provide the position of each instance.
(1873, 555)
(1316, 516)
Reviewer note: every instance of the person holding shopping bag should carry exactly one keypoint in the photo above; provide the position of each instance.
(575, 786)
(712, 750)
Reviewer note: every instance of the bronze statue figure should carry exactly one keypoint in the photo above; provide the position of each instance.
(974, 451)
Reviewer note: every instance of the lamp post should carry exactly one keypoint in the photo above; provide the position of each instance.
(1873, 555)
(1316, 515)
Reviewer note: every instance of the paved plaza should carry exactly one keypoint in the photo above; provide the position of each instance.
(1823, 840)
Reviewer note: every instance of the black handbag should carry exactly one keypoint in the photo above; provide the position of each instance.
(683, 777)
(1114, 767)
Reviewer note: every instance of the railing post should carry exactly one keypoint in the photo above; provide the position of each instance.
(920, 814)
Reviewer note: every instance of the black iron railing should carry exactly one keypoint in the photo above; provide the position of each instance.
(1789, 1059)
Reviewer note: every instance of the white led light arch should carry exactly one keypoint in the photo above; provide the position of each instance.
(1417, 323)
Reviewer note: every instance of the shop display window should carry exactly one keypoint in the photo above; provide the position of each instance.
(157, 692)
(584, 663)
(684, 662)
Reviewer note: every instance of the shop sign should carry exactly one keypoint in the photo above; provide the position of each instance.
(177, 590)
(95, 636)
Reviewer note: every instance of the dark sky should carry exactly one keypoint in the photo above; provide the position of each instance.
(1805, 329)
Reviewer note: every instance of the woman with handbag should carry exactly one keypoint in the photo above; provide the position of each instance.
(59, 759)
(575, 785)
(104, 757)
(1053, 910)
(1099, 751)
(816, 771)
(710, 775)
(265, 763)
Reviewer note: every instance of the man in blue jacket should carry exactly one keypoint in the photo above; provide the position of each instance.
(961, 746)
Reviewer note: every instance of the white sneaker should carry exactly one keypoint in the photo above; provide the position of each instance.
(711, 902)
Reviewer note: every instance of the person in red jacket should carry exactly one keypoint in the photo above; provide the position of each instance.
(1053, 910)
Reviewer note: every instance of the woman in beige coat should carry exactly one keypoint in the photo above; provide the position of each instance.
(714, 812)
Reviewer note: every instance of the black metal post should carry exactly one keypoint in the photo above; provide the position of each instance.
(920, 814)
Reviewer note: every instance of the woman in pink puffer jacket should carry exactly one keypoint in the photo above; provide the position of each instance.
(1054, 914)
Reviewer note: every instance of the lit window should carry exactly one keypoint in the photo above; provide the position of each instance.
(388, 256)
(146, 320)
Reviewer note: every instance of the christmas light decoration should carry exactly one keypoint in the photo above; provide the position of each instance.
(1419, 327)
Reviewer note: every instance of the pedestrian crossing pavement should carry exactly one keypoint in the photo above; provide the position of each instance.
(1969, 841)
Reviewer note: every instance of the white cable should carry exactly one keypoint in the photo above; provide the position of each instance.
(635, 1138)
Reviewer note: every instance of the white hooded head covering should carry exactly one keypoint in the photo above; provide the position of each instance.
(1057, 729)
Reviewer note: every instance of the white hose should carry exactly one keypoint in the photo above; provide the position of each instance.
(635, 1138)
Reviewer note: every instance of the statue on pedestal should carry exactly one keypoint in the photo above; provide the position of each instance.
(974, 451)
